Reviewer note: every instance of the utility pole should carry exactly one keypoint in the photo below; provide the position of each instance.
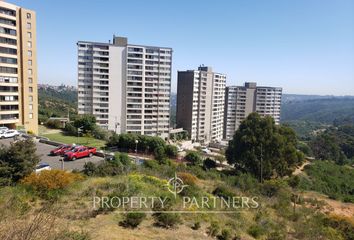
(261, 163)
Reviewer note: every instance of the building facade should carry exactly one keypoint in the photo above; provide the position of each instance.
(200, 103)
(240, 101)
(126, 86)
(18, 68)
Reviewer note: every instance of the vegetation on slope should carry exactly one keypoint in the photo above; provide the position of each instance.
(331, 179)
(56, 102)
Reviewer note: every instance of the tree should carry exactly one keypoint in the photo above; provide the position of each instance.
(209, 163)
(86, 122)
(260, 147)
(160, 155)
(194, 158)
(171, 150)
(17, 161)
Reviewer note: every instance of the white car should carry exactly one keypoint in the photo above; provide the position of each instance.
(9, 134)
(42, 166)
(3, 129)
(206, 150)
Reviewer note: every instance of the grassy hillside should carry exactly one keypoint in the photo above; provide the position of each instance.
(70, 213)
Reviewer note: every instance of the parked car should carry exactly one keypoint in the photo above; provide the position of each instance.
(42, 166)
(179, 149)
(79, 152)
(9, 134)
(205, 150)
(60, 150)
(3, 129)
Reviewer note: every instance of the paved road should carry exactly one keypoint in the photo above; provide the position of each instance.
(43, 151)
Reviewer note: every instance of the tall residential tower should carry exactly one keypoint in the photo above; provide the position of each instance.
(18, 68)
(200, 103)
(126, 86)
(240, 101)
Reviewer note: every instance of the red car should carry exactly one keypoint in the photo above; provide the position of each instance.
(79, 152)
(61, 150)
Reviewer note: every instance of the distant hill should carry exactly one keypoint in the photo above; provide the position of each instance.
(56, 101)
(326, 110)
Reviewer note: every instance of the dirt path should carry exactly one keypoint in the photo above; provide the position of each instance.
(333, 207)
(301, 168)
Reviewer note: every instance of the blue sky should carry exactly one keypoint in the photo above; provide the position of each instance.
(304, 46)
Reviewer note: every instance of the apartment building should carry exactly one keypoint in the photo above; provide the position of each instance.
(18, 68)
(240, 101)
(200, 103)
(126, 86)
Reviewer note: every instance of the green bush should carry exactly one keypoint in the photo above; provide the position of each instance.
(213, 229)
(100, 133)
(56, 124)
(271, 188)
(209, 163)
(194, 158)
(133, 219)
(167, 220)
(70, 129)
(171, 151)
(160, 155)
(225, 235)
(256, 231)
(222, 191)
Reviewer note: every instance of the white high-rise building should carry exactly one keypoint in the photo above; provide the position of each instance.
(240, 101)
(200, 103)
(126, 86)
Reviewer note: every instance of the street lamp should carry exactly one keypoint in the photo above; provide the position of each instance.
(136, 146)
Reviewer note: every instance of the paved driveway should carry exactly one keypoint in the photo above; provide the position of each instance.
(43, 151)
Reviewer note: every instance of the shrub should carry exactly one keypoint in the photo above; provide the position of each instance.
(270, 188)
(171, 151)
(90, 169)
(133, 219)
(160, 155)
(167, 220)
(51, 123)
(225, 235)
(70, 129)
(99, 133)
(224, 192)
(196, 226)
(246, 182)
(17, 161)
(209, 163)
(213, 229)
(194, 158)
(256, 231)
(50, 180)
(188, 178)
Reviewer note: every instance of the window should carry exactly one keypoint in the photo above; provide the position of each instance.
(29, 25)
(30, 71)
(30, 98)
(29, 44)
(30, 89)
(29, 53)
(29, 35)
(29, 62)
(31, 115)
(29, 16)
(30, 80)
(31, 106)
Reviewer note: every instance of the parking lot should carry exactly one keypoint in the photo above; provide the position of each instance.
(54, 161)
